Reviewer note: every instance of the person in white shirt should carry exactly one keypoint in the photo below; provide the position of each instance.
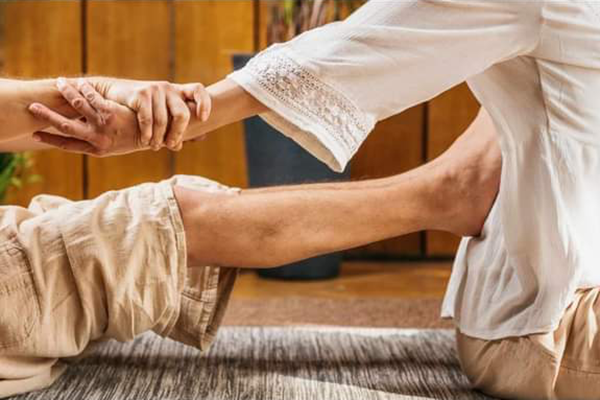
(523, 293)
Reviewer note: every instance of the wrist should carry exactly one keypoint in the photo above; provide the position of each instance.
(45, 92)
(28, 92)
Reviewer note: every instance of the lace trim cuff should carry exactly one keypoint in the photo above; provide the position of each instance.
(303, 107)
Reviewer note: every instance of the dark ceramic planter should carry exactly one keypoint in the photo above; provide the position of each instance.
(273, 159)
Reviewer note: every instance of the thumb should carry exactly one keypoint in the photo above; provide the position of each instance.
(197, 93)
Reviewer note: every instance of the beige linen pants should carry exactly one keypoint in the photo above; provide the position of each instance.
(72, 273)
(564, 364)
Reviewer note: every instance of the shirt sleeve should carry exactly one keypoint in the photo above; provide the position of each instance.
(327, 88)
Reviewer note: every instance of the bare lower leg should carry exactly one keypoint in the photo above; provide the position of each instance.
(269, 227)
(272, 228)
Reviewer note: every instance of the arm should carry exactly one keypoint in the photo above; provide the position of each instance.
(122, 116)
(416, 51)
(227, 100)
(230, 103)
(161, 112)
(15, 119)
(24, 143)
(328, 88)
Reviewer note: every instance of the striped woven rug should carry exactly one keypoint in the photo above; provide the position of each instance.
(291, 363)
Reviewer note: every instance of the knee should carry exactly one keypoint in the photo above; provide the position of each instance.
(199, 214)
(223, 229)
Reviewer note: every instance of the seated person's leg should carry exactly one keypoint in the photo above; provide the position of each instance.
(270, 227)
(117, 266)
(75, 272)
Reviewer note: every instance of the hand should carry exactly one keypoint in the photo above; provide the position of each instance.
(162, 108)
(107, 128)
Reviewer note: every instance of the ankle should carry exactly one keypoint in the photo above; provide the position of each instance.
(466, 192)
(425, 197)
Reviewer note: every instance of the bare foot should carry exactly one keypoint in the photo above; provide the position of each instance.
(470, 174)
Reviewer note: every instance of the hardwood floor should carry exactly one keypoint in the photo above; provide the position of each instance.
(357, 280)
(366, 294)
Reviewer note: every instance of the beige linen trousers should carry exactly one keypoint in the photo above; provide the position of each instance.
(72, 273)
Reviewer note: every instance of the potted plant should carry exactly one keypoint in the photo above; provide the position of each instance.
(274, 159)
(14, 172)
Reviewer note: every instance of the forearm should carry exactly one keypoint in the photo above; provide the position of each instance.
(15, 118)
(23, 143)
(230, 103)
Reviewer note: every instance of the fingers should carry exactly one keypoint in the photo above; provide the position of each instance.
(144, 117)
(197, 92)
(68, 127)
(180, 118)
(78, 102)
(94, 98)
(203, 98)
(163, 114)
(161, 119)
(65, 143)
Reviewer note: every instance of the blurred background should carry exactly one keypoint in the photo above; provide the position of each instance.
(188, 41)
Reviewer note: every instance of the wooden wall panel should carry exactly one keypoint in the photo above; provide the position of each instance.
(129, 39)
(204, 44)
(42, 38)
(449, 115)
(262, 23)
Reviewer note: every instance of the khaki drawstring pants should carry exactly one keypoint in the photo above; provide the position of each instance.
(72, 273)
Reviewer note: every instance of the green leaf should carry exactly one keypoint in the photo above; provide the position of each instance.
(15, 170)
(35, 178)
(17, 182)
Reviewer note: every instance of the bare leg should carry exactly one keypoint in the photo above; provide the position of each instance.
(270, 227)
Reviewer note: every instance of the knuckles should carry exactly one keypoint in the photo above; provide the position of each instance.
(90, 96)
(181, 116)
(160, 122)
(66, 127)
(153, 88)
(144, 93)
(144, 120)
(77, 103)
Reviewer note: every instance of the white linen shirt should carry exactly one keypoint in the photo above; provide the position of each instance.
(534, 66)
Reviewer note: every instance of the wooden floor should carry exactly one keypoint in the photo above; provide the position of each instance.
(357, 280)
(366, 294)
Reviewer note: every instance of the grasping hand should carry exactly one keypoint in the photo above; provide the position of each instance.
(107, 128)
(162, 108)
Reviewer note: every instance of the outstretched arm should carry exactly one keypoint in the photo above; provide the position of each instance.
(16, 122)
(327, 88)
(161, 111)
(226, 102)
